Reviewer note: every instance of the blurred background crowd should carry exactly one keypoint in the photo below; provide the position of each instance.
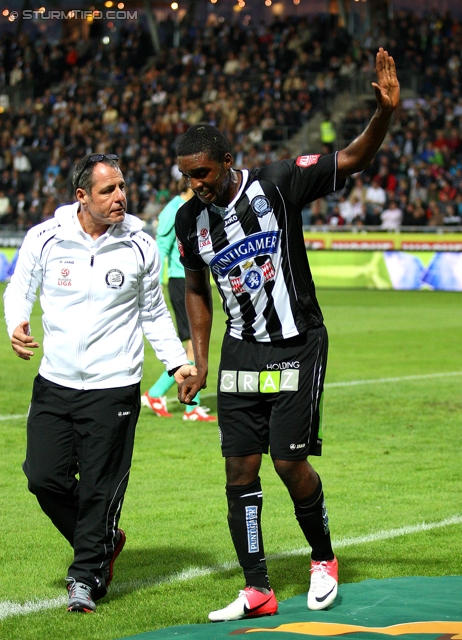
(262, 85)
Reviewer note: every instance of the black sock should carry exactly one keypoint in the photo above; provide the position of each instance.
(244, 519)
(311, 514)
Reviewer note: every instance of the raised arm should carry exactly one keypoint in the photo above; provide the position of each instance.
(199, 308)
(360, 153)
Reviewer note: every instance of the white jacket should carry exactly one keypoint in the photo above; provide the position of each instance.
(98, 297)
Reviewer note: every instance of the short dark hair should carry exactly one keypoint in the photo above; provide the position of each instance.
(203, 138)
(82, 176)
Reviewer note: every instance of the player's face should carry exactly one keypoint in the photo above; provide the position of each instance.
(107, 202)
(210, 180)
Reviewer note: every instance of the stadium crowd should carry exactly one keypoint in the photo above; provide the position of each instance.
(259, 85)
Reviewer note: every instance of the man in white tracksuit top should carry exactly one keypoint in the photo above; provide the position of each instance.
(98, 275)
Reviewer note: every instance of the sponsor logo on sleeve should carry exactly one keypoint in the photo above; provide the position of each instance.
(307, 161)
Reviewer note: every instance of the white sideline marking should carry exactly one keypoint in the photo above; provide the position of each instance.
(426, 376)
(349, 383)
(8, 608)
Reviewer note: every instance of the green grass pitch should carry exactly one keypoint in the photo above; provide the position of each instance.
(392, 421)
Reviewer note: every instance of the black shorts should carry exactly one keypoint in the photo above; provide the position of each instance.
(176, 290)
(270, 396)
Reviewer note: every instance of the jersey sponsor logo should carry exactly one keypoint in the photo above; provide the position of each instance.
(260, 206)
(252, 277)
(230, 220)
(307, 161)
(251, 521)
(115, 279)
(257, 244)
(259, 381)
(283, 365)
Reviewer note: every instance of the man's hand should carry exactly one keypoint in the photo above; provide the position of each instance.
(21, 341)
(184, 372)
(387, 85)
(190, 386)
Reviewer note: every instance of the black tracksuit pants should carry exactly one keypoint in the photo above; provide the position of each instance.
(79, 451)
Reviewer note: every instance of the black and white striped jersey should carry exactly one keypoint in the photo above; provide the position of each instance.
(255, 247)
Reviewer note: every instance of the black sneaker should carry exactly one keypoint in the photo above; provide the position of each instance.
(80, 597)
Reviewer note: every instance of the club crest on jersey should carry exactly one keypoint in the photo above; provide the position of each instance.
(307, 161)
(115, 279)
(260, 206)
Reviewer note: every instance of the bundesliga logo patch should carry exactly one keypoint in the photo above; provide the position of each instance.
(64, 280)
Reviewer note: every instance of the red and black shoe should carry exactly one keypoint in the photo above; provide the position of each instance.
(119, 545)
(251, 603)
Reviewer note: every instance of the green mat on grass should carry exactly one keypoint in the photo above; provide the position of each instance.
(406, 608)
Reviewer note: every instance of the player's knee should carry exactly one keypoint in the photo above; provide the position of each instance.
(294, 471)
(285, 469)
(242, 470)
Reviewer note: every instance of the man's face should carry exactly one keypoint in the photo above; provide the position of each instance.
(107, 202)
(208, 178)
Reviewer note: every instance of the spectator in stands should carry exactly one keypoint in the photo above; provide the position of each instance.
(327, 132)
(65, 108)
(5, 207)
(350, 209)
(391, 217)
(375, 200)
(358, 190)
(21, 162)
